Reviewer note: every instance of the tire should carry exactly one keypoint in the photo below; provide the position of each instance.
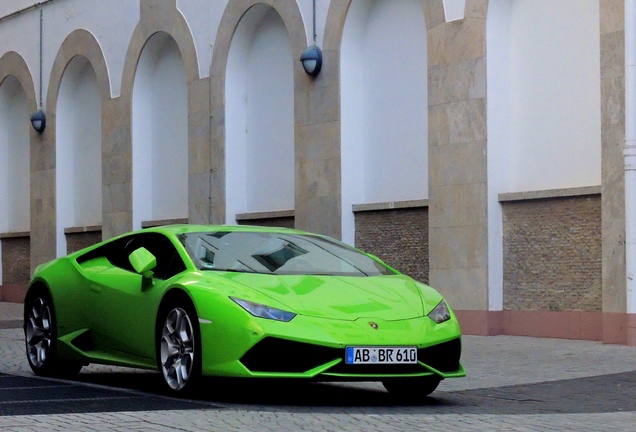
(179, 347)
(40, 337)
(412, 388)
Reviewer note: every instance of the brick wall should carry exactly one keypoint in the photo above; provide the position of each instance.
(80, 240)
(398, 237)
(16, 260)
(16, 268)
(283, 222)
(552, 254)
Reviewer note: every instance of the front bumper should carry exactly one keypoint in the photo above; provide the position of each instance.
(314, 348)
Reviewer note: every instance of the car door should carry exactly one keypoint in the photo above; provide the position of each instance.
(125, 305)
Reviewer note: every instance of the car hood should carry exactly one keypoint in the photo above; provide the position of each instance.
(339, 297)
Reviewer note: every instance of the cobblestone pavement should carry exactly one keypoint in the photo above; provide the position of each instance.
(513, 384)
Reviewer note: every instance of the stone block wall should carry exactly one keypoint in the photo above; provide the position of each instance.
(16, 265)
(80, 240)
(398, 237)
(553, 254)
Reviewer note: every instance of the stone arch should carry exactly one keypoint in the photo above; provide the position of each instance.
(79, 47)
(12, 64)
(159, 17)
(290, 14)
(79, 43)
(163, 19)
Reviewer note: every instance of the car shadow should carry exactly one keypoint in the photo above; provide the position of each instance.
(269, 393)
(597, 394)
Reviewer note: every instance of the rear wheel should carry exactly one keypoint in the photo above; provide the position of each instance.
(179, 350)
(41, 337)
(412, 388)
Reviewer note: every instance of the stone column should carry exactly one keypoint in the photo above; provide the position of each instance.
(317, 159)
(612, 27)
(458, 222)
(116, 170)
(43, 216)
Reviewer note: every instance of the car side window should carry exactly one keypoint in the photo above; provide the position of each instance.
(169, 263)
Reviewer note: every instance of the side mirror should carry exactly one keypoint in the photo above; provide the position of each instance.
(143, 262)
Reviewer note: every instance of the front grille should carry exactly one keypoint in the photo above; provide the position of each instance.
(280, 355)
(443, 357)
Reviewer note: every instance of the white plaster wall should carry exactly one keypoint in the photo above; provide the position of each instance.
(499, 138)
(352, 130)
(78, 150)
(454, 9)
(112, 22)
(8, 7)
(14, 157)
(270, 118)
(142, 139)
(555, 95)
(87, 150)
(27, 26)
(384, 106)
(160, 133)
(64, 155)
(396, 103)
(259, 116)
(236, 114)
(170, 135)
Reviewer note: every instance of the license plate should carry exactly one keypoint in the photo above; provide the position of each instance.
(381, 355)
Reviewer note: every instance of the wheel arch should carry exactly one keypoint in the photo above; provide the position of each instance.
(173, 295)
(37, 286)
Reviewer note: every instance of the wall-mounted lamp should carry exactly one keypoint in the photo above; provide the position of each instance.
(311, 59)
(38, 121)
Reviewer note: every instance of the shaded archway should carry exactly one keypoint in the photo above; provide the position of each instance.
(384, 111)
(259, 102)
(239, 29)
(160, 134)
(168, 41)
(17, 101)
(78, 95)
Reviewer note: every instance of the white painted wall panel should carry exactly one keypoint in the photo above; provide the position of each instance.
(14, 157)
(555, 95)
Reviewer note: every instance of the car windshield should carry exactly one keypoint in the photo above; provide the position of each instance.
(278, 253)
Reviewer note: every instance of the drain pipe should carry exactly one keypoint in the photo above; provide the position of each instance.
(629, 153)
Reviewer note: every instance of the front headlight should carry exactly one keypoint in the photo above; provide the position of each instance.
(440, 313)
(262, 311)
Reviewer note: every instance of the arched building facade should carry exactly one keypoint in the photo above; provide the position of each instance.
(476, 145)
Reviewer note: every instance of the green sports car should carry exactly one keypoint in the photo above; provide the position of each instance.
(237, 301)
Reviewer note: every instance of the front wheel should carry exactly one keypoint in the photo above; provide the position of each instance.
(412, 388)
(40, 338)
(179, 350)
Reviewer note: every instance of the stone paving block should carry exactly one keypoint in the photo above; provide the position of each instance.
(513, 384)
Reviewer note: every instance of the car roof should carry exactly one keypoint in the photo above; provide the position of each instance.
(197, 228)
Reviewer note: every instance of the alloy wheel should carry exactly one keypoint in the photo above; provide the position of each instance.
(177, 349)
(39, 332)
